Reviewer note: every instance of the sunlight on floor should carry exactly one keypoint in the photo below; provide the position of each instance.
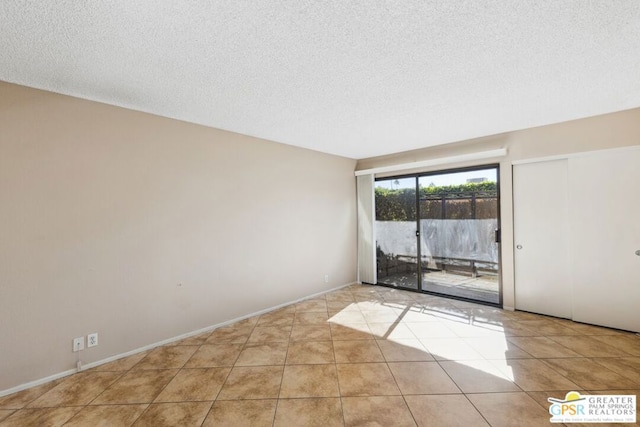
(431, 325)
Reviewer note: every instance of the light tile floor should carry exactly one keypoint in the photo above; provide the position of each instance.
(362, 355)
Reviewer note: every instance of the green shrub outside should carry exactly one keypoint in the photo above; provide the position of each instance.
(400, 204)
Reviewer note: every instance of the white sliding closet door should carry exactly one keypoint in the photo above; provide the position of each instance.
(604, 196)
(541, 232)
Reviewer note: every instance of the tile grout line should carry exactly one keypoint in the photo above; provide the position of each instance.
(477, 409)
(284, 365)
(335, 368)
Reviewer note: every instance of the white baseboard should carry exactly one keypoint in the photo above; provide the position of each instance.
(37, 382)
(161, 343)
(506, 307)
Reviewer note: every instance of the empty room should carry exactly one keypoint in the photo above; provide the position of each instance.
(319, 213)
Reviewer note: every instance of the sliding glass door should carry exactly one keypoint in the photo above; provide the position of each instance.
(396, 243)
(449, 221)
(459, 234)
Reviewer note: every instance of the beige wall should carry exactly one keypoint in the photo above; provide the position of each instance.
(596, 133)
(104, 211)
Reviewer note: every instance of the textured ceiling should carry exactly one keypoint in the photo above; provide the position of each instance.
(354, 78)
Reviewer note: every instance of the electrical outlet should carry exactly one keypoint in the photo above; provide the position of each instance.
(326, 278)
(78, 344)
(92, 340)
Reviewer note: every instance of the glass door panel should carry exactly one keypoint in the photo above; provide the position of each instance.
(458, 226)
(396, 227)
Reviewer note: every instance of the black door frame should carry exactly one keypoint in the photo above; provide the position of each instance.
(417, 176)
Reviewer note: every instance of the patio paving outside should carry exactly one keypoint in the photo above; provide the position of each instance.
(485, 288)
